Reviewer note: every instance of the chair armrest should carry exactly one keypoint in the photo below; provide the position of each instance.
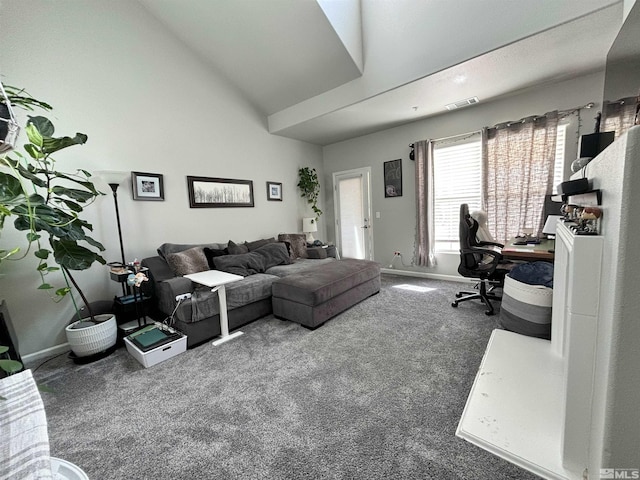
(497, 256)
(490, 244)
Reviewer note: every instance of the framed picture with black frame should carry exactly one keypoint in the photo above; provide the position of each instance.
(274, 191)
(210, 192)
(393, 178)
(147, 186)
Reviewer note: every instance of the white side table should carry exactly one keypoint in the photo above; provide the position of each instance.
(216, 280)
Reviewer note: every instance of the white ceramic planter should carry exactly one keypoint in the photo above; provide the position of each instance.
(94, 339)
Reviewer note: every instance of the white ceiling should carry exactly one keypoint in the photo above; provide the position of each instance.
(287, 60)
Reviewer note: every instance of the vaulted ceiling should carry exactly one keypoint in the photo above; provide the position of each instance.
(323, 71)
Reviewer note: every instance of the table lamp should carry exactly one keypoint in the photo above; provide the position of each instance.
(309, 225)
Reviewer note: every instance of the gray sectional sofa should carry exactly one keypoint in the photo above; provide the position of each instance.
(261, 263)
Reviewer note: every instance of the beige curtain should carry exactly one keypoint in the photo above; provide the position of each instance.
(424, 254)
(518, 160)
(619, 116)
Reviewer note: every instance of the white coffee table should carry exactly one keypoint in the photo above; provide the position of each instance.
(216, 280)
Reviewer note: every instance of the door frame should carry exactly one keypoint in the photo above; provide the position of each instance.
(365, 172)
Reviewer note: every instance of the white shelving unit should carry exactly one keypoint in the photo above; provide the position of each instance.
(531, 400)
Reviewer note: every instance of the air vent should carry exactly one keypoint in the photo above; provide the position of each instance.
(462, 103)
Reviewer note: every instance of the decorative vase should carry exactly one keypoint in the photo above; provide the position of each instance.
(95, 338)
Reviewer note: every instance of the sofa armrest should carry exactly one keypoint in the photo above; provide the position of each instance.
(167, 290)
(316, 252)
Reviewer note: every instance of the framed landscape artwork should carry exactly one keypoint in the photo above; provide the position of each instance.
(274, 191)
(147, 186)
(207, 192)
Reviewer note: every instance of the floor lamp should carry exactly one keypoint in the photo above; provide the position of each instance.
(114, 189)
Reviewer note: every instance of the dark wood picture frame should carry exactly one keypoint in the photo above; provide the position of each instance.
(274, 191)
(210, 192)
(147, 186)
(393, 178)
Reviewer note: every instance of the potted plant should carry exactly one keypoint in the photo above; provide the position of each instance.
(47, 203)
(310, 188)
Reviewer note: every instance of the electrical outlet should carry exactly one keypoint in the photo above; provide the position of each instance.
(184, 296)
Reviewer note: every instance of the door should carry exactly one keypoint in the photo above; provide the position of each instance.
(352, 200)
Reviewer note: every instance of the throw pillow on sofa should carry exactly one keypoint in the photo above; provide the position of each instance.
(168, 248)
(188, 261)
(274, 254)
(243, 264)
(259, 243)
(298, 243)
(250, 263)
(211, 253)
(235, 249)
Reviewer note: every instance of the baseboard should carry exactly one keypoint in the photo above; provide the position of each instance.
(434, 276)
(46, 353)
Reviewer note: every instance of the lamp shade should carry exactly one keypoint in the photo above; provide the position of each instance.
(550, 224)
(309, 224)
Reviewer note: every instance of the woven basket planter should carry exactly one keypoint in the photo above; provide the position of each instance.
(94, 339)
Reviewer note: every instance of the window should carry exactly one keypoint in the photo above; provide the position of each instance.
(457, 172)
(558, 170)
(457, 179)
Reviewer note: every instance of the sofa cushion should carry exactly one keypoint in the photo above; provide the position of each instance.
(250, 263)
(235, 249)
(204, 303)
(211, 253)
(259, 243)
(321, 284)
(244, 264)
(298, 265)
(188, 261)
(298, 243)
(274, 254)
(167, 248)
(317, 252)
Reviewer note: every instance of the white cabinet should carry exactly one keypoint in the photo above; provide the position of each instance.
(531, 400)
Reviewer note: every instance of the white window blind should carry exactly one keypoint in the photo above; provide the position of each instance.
(558, 170)
(457, 179)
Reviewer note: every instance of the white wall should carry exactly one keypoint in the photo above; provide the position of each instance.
(148, 104)
(395, 228)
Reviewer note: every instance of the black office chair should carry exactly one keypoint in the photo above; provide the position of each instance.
(478, 261)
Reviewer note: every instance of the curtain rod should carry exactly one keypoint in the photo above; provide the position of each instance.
(460, 135)
(561, 114)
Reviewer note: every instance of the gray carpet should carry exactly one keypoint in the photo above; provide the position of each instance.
(374, 393)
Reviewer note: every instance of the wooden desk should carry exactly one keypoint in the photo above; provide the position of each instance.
(530, 252)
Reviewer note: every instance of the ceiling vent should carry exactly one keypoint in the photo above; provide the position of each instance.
(462, 103)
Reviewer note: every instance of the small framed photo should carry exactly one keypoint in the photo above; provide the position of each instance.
(147, 186)
(274, 191)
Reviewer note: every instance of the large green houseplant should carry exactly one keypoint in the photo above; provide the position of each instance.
(46, 203)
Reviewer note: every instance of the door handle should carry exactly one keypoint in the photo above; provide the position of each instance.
(365, 226)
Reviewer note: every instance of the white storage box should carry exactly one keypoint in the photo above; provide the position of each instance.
(159, 354)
